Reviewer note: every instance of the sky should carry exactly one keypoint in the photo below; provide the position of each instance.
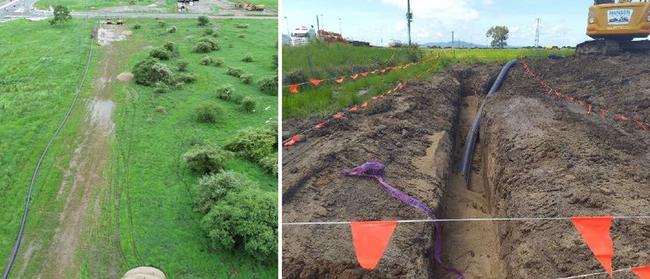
(563, 23)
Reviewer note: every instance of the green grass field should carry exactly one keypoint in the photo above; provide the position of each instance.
(146, 209)
(41, 68)
(334, 60)
(76, 5)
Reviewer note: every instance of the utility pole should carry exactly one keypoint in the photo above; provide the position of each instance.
(537, 34)
(452, 40)
(286, 21)
(317, 25)
(409, 18)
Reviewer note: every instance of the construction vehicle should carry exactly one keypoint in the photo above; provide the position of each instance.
(249, 6)
(111, 21)
(613, 24)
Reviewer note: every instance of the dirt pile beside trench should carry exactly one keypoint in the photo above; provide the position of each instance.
(411, 133)
(548, 158)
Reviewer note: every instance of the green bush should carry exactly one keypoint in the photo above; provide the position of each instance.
(225, 92)
(246, 219)
(160, 53)
(270, 163)
(202, 47)
(203, 20)
(171, 47)
(171, 29)
(209, 60)
(242, 26)
(137, 26)
(246, 78)
(269, 86)
(208, 113)
(150, 72)
(208, 32)
(213, 187)
(162, 23)
(234, 72)
(254, 144)
(182, 66)
(205, 159)
(241, 36)
(248, 104)
(248, 58)
(217, 62)
(185, 78)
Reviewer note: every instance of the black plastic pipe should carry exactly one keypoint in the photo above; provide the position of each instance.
(470, 141)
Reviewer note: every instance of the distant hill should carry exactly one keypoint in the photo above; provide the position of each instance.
(457, 44)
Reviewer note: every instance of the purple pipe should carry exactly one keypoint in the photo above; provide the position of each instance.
(375, 169)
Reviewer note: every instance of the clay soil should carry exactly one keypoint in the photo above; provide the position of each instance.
(536, 157)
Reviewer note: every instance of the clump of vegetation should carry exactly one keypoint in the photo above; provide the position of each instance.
(275, 61)
(160, 53)
(225, 92)
(205, 159)
(248, 104)
(171, 29)
(270, 163)
(137, 26)
(214, 187)
(208, 32)
(242, 26)
(185, 78)
(172, 48)
(248, 58)
(203, 20)
(209, 60)
(182, 66)
(61, 15)
(241, 36)
(234, 72)
(269, 86)
(208, 112)
(162, 24)
(205, 45)
(150, 72)
(246, 78)
(254, 144)
(246, 219)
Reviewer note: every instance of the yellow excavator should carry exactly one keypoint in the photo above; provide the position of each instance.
(613, 24)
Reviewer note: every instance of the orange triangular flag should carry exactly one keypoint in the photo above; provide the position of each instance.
(370, 240)
(364, 74)
(643, 272)
(293, 89)
(365, 104)
(595, 232)
(355, 76)
(340, 80)
(338, 115)
(354, 109)
(316, 82)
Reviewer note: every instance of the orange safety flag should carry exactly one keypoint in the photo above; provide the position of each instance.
(643, 272)
(621, 117)
(340, 80)
(338, 115)
(320, 125)
(364, 105)
(364, 74)
(370, 240)
(641, 125)
(293, 89)
(354, 77)
(595, 232)
(316, 82)
(589, 110)
(354, 109)
(293, 140)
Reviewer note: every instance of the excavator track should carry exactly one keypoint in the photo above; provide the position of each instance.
(611, 47)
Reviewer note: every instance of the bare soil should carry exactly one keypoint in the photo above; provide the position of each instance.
(536, 157)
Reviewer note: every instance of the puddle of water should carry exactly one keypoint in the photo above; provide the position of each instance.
(101, 115)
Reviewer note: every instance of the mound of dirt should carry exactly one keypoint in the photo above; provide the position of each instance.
(107, 34)
(125, 76)
(549, 158)
(410, 132)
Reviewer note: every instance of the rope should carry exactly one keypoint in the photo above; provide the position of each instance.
(23, 220)
(596, 273)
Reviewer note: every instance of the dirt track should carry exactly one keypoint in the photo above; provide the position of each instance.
(537, 156)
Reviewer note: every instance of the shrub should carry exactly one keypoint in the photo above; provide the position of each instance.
(205, 159)
(150, 71)
(246, 219)
(241, 36)
(248, 104)
(161, 88)
(225, 92)
(207, 60)
(296, 76)
(208, 113)
(202, 47)
(213, 44)
(269, 86)
(270, 163)
(203, 20)
(246, 78)
(208, 32)
(248, 58)
(160, 53)
(162, 23)
(214, 187)
(242, 26)
(254, 144)
(185, 78)
(182, 66)
(234, 72)
(171, 29)
(171, 47)
(61, 15)
(236, 98)
(137, 26)
(218, 62)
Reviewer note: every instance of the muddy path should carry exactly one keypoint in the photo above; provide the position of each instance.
(85, 175)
